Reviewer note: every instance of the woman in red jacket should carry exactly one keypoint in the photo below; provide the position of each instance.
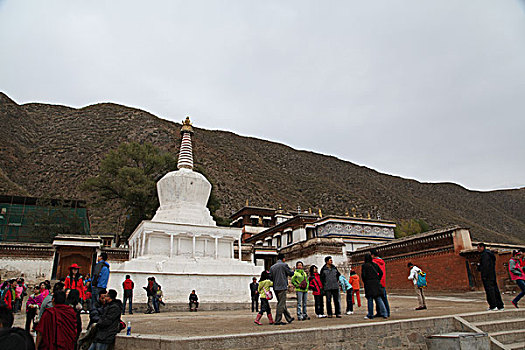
(317, 290)
(74, 280)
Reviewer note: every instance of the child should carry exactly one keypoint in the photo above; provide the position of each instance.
(347, 288)
(160, 295)
(300, 282)
(194, 300)
(264, 287)
(317, 290)
(354, 281)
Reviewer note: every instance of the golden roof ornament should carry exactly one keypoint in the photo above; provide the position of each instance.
(187, 126)
(320, 213)
(368, 215)
(347, 213)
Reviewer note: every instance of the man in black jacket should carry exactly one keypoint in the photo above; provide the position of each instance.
(109, 324)
(330, 280)
(486, 266)
(254, 287)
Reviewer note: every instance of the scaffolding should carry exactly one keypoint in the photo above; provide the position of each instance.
(39, 220)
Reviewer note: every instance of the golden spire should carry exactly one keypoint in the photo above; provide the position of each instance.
(353, 211)
(247, 202)
(187, 126)
(320, 213)
(346, 212)
(368, 215)
(309, 210)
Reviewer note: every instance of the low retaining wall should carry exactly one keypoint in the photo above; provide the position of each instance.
(403, 334)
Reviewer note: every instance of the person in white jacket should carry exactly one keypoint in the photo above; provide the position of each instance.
(413, 276)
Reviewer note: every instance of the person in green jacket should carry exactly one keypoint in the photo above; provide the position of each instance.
(300, 282)
(264, 287)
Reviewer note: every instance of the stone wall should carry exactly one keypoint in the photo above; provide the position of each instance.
(406, 334)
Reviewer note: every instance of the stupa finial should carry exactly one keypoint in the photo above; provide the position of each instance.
(186, 151)
(186, 126)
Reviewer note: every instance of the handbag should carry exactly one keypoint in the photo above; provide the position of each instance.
(268, 293)
(303, 284)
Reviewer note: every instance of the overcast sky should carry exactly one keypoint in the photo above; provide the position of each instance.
(429, 90)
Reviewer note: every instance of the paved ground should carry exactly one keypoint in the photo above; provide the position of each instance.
(204, 323)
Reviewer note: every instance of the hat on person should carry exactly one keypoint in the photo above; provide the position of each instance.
(74, 266)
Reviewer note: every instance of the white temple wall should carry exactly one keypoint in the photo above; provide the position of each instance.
(34, 270)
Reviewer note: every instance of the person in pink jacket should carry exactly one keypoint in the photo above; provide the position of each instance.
(33, 304)
(517, 274)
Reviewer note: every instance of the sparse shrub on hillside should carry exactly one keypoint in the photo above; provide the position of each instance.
(410, 227)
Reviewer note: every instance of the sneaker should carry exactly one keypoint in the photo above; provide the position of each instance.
(501, 308)
(338, 316)
(349, 312)
(420, 308)
(515, 304)
(492, 309)
(320, 316)
(368, 318)
(291, 320)
(324, 316)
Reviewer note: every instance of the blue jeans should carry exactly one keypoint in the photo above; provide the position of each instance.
(94, 295)
(302, 298)
(98, 346)
(379, 303)
(521, 284)
(385, 303)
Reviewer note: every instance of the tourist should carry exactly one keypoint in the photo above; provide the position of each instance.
(371, 275)
(128, 286)
(74, 280)
(58, 325)
(254, 287)
(354, 281)
(73, 300)
(32, 306)
(13, 338)
(413, 275)
(100, 276)
(264, 292)
(517, 274)
(109, 324)
(7, 294)
(301, 284)
(279, 273)
(48, 301)
(381, 263)
(330, 279)
(151, 292)
(87, 294)
(44, 289)
(97, 308)
(346, 287)
(193, 301)
(487, 267)
(160, 297)
(19, 294)
(317, 290)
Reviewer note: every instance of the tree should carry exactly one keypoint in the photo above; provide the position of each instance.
(410, 227)
(128, 176)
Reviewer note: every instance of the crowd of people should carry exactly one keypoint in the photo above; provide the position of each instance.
(327, 285)
(53, 312)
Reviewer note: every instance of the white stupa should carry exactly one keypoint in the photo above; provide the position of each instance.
(182, 247)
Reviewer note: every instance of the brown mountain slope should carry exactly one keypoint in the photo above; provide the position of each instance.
(50, 150)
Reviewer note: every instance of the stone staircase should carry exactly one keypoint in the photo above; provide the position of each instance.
(506, 328)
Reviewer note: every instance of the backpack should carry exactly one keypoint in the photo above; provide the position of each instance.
(421, 279)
